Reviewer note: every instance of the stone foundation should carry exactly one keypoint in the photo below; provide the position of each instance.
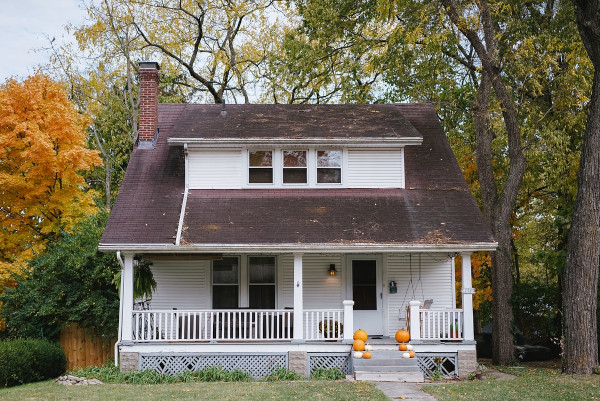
(467, 363)
(128, 361)
(298, 362)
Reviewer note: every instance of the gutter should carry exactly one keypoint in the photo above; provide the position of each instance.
(185, 196)
(320, 248)
(349, 142)
(120, 331)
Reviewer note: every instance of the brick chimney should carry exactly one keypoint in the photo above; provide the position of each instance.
(148, 123)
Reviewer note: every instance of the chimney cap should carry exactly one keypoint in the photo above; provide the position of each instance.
(149, 65)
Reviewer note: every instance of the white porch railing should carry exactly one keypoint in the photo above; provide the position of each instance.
(238, 325)
(217, 325)
(441, 324)
(321, 324)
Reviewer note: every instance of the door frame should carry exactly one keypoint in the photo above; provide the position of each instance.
(378, 285)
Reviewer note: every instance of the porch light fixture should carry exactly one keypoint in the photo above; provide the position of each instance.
(332, 269)
(393, 287)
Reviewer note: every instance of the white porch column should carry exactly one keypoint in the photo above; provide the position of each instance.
(415, 320)
(348, 320)
(127, 300)
(298, 299)
(467, 297)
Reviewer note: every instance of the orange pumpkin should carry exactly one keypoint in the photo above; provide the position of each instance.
(412, 354)
(359, 345)
(402, 336)
(367, 355)
(360, 334)
(402, 347)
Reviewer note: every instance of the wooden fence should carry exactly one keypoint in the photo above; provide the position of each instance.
(81, 350)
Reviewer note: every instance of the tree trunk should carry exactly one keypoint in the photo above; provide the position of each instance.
(580, 294)
(502, 283)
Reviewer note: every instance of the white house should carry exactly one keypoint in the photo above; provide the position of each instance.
(275, 231)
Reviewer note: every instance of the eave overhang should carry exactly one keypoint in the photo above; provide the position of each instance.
(329, 142)
(299, 248)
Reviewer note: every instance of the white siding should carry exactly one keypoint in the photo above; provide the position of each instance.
(215, 169)
(321, 290)
(286, 297)
(375, 169)
(419, 277)
(181, 284)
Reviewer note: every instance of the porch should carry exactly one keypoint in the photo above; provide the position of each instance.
(315, 314)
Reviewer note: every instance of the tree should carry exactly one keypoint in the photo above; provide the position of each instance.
(72, 282)
(580, 294)
(42, 155)
(507, 79)
(214, 48)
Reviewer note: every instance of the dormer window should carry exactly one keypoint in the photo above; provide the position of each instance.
(260, 167)
(329, 166)
(294, 167)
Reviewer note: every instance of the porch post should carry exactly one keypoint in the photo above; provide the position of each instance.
(298, 299)
(467, 298)
(348, 320)
(415, 320)
(127, 300)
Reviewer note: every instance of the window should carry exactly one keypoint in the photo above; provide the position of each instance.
(294, 167)
(329, 166)
(260, 167)
(225, 283)
(261, 282)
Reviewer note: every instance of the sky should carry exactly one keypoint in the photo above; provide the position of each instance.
(24, 25)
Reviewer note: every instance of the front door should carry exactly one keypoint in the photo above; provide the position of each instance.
(366, 293)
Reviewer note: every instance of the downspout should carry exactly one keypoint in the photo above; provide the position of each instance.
(120, 332)
(185, 196)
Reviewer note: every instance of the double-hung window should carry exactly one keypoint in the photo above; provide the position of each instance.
(253, 278)
(329, 166)
(225, 279)
(261, 282)
(294, 167)
(260, 167)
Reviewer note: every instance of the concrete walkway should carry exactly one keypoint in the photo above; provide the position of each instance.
(403, 391)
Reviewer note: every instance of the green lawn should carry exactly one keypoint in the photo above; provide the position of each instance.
(301, 390)
(532, 384)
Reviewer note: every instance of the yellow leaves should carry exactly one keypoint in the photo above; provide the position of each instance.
(42, 152)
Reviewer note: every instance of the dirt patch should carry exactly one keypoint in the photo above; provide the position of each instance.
(554, 363)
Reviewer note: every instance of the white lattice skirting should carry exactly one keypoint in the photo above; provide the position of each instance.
(327, 361)
(257, 365)
(448, 363)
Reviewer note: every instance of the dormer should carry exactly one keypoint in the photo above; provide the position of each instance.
(294, 146)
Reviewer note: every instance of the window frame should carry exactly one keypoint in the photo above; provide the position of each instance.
(213, 284)
(305, 167)
(340, 167)
(243, 280)
(249, 167)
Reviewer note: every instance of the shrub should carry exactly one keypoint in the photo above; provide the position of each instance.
(111, 374)
(327, 374)
(280, 374)
(25, 361)
(69, 283)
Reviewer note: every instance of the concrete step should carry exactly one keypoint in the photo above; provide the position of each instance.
(389, 377)
(387, 353)
(386, 362)
(380, 368)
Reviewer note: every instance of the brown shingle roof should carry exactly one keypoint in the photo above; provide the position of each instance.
(435, 208)
(292, 121)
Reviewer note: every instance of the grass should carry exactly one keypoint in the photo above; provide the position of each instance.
(298, 390)
(530, 384)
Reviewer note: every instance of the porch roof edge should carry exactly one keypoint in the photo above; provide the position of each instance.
(299, 248)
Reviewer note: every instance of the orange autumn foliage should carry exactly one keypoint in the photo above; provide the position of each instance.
(42, 153)
(481, 263)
